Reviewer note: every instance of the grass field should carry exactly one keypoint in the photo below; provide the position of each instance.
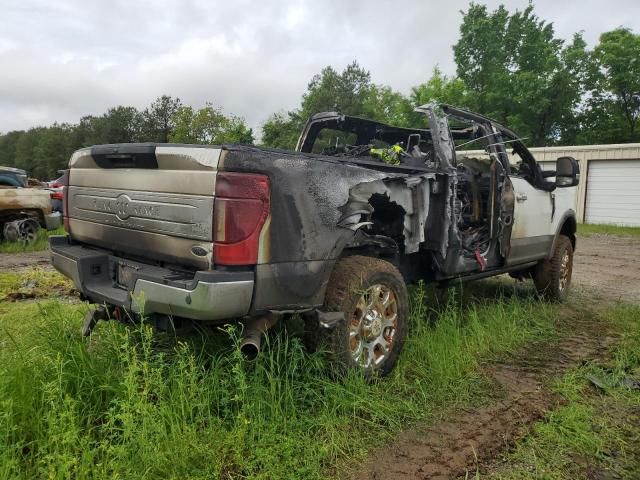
(40, 244)
(587, 229)
(131, 404)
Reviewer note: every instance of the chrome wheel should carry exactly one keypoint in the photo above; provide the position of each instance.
(373, 326)
(28, 231)
(565, 271)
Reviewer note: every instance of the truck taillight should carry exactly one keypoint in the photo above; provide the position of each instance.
(65, 200)
(240, 211)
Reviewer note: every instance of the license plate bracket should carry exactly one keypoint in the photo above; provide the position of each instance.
(125, 274)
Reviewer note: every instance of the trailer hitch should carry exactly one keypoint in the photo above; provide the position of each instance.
(91, 318)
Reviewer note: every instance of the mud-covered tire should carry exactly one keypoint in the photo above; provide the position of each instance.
(373, 297)
(552, 277)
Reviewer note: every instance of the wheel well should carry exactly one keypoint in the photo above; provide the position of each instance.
(11, 215)
(383, 237)
(569, 229)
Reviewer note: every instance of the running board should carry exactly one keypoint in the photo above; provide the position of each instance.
(485, 274)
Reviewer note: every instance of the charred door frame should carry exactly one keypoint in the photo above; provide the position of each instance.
(502, 188)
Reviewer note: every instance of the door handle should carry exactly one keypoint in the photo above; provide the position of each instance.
(521, 197)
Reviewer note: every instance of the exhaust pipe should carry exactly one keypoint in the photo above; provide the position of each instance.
(252, 334)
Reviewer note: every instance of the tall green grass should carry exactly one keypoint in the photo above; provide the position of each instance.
(41, 243)
(131, 403)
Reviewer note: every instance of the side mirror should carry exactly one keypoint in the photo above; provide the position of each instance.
(567, 172)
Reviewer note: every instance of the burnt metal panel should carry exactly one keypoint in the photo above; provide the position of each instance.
(308, 195)
(291, 285)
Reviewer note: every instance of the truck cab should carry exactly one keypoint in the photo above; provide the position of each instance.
(503, 210)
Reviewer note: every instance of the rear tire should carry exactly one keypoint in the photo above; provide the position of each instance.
(373, 297)
(552, 277)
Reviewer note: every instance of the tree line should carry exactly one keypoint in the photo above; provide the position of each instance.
(509, 66)
(42, 151)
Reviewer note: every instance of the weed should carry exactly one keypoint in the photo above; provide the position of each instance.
(131, 403)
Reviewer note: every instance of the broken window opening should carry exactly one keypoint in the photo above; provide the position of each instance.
(339, 135)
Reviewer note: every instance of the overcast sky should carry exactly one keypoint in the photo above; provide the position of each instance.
(62, 59)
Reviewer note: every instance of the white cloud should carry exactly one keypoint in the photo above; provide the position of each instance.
(62, 60)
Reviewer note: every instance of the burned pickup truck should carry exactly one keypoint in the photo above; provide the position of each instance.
(333, 230)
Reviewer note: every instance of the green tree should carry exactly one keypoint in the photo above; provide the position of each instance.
(439, 88)
(121, 125)
(52, 151)
(8, 144)
(345, 92)
(350, 92)
(613, 108)
(281, 130)
(118, 125)
(157, 120)
(516, 71)
(387, 105)
(25, 149)
(208, 125)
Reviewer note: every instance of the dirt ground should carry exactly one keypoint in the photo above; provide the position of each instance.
(462, 443)
(19, 261)
(609, 266)
(605, 268)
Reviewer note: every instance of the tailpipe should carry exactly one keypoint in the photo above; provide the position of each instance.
(252, 335)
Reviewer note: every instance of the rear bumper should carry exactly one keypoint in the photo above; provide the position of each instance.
(53, 221)
(149, 289)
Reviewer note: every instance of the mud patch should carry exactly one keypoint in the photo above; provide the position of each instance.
(461, 443)
(34, 283)
(34, 293)
(16, 262)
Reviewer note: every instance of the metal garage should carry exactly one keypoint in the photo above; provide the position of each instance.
(613, 192)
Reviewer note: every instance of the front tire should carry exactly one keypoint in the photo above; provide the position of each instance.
(373, 297)
(552, 277)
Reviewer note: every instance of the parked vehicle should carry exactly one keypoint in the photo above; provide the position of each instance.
(56, 188)
(12, 177)
(333, 230)
(23, 210)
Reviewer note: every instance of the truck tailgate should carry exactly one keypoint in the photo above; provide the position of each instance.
(132, 199)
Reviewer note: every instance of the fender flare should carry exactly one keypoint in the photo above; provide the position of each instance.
(569, 216)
